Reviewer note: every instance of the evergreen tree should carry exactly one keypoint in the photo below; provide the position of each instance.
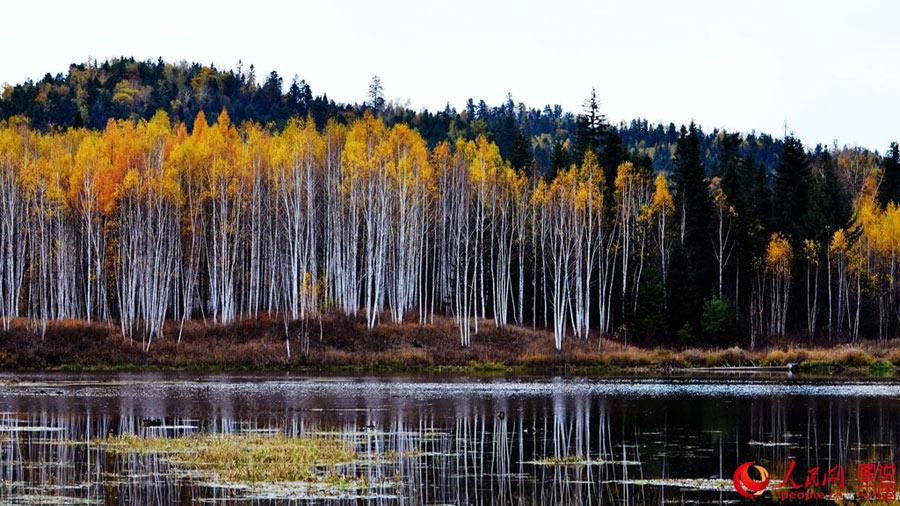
(590, 128)
(267, 100)
(759, 209)
(611, 156)
(737, 182)
(376, 95)
(695, 212)
(682, 301)
(830, 208)
(889, 190)
(520, 156)
(791, 192)
(648, 322)
(560, 158)
(593, 133)
(298, 98)
(728, 166)
(470, 109)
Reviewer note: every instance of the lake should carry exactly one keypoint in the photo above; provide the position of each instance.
(444, 439)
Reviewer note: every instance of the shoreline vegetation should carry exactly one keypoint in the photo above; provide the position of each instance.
(341, 344)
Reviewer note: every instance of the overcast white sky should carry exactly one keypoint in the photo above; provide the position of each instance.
(828, 68)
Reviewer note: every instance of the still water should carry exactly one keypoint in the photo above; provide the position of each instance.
(444, 440)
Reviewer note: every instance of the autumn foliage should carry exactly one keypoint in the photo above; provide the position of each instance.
(151, 225)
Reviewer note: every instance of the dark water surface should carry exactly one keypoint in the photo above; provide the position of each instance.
(445, 440)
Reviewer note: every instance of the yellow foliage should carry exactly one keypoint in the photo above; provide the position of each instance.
(662, 201)
(839, 241)
(361, 155)
(811, 251)
(624, 175)
(778, 255)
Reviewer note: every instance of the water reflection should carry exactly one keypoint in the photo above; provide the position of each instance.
(418, 444)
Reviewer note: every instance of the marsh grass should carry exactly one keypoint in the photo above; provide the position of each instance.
(348, 345)
(486, 366)
(249, 458)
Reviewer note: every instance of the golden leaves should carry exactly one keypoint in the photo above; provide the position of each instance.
(662, 201)
(811, 251)
(778, 255)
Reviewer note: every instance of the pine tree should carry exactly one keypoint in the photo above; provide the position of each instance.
(376, 95)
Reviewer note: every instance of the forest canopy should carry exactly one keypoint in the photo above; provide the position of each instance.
(122, 201)
(91, 93)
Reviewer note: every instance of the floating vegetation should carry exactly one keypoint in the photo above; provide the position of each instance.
(264, 440)
(50, 500)
(578, 460)
(352, 489)
(575, 460)
(248, 458)
(23, 428)
(769, 443)
(691, 483)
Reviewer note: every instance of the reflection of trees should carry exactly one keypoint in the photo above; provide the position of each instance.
(821, 432)
(563, 449)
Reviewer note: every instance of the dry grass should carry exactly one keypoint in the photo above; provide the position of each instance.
(246, 459)
(341, 342)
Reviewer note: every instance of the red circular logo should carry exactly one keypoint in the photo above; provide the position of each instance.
(748, 486)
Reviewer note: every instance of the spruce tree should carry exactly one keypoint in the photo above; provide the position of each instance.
(889, 190)
(590, 128)
(759, 208)
(296, 99)
(791, 192)
(830, 208)
(730, 169)
(611, 156)
(737, 176)
(695, 211)
(560, 159)
(520, 156)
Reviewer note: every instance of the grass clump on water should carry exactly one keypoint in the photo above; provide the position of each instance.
(247, 458)
(573, 460)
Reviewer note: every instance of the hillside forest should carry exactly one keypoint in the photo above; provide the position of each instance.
(145, 193)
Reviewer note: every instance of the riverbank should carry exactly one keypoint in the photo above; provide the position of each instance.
(338, 343)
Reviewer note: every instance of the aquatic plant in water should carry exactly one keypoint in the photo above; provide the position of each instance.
(248, 458)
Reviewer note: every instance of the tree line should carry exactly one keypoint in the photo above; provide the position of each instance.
(540, 138)
(149, 221)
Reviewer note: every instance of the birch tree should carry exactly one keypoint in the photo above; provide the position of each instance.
(778, 265)
(14, 157)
